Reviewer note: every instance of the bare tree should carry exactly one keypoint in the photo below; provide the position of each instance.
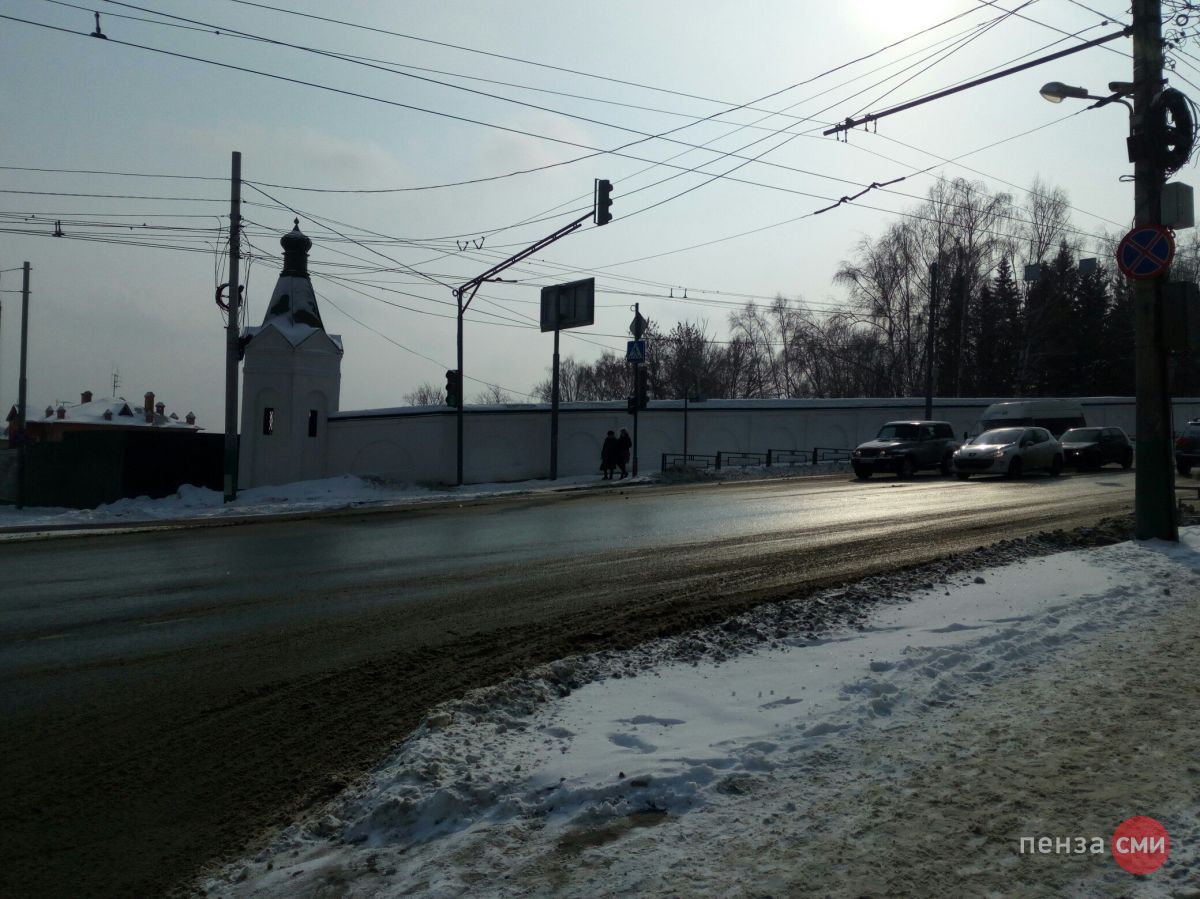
(1048, 220)
(605, 379)
(426, 394)
(493, 395)
(883, 280)
(752, 328)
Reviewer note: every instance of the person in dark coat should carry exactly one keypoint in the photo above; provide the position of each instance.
(609, 453)
(624, 446)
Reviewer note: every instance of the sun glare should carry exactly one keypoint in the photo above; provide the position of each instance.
(896, 18)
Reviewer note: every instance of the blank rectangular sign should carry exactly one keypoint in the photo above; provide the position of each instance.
(569, 305)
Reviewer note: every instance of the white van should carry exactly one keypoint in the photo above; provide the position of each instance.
(1055, 416)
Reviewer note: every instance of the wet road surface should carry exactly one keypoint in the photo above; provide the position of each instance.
(165, 695)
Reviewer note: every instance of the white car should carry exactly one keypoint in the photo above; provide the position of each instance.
(1010, 452)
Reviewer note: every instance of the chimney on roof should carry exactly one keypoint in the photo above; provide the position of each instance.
(85, 397)
(148, 407)
(108, 414)
(49, 411)
(160, 408)
(190, 418)
(61, 412)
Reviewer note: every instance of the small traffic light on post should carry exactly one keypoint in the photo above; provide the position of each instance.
(453, 388)
(602, 213)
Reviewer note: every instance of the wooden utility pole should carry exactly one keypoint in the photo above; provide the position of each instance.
(1154, 486)
(232, 331)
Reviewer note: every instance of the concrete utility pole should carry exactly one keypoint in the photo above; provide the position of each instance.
(232, 331)
(1154, 486)
(22, 437)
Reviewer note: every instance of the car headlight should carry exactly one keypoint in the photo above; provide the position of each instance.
(858, 453)
(883, 453)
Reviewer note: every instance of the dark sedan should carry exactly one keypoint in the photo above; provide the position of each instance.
(1093, 447)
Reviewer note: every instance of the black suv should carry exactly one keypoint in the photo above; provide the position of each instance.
(1093, 447)
(1187, 447)
(905, 447)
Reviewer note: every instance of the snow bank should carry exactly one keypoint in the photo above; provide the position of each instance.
(343, 492)
(560, 766)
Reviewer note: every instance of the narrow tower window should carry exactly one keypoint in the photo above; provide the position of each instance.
(312, 422)
(268, 421)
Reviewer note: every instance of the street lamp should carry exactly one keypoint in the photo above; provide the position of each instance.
(1056, 92)
(1154, 485)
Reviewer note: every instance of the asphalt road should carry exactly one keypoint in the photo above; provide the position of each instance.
(167, 695)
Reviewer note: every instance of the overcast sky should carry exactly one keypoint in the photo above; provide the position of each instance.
(386, 262)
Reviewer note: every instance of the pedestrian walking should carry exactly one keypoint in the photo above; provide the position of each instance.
(609, 453)
(624, 446)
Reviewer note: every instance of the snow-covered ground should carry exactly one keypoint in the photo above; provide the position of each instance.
(345, 492)
(905, 752)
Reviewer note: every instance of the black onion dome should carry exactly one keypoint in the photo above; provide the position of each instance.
(295, 252)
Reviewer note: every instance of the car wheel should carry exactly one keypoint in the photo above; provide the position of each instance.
(963, 475)
(1184, 468)
(906, 467)
(947, 465)
(862, 473)
(1127, 460)
(1056, 467)
(1015, 467)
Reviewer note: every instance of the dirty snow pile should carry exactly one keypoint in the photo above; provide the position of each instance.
(903, 752)
(200, 503)
(191, 503)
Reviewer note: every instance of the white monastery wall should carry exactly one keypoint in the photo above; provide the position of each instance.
(512, 443)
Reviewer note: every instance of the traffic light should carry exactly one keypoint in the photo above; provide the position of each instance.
(453, 388)
(602, 214)
(640, 387)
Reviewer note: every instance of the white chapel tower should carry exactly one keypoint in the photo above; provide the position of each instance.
(292, 378)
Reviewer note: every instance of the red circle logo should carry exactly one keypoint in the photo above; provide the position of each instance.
(1140, 845)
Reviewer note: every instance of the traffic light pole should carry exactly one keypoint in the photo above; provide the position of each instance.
(1154, 484)
(468, 291)
(637, 329)
(636, 410)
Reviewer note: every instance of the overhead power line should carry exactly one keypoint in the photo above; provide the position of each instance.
(711, 177)
(558, 68)
(875, 116)
(644, 135)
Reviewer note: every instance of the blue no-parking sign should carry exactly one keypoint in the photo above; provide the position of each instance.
(1146, 251)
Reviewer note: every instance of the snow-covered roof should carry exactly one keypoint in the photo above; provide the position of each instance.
(293, 310)
(293, 333)
(120, 414)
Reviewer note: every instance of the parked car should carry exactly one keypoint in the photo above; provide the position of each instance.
(1010, 452)
(905, 447)
(1093, 447)
(1187, 447)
